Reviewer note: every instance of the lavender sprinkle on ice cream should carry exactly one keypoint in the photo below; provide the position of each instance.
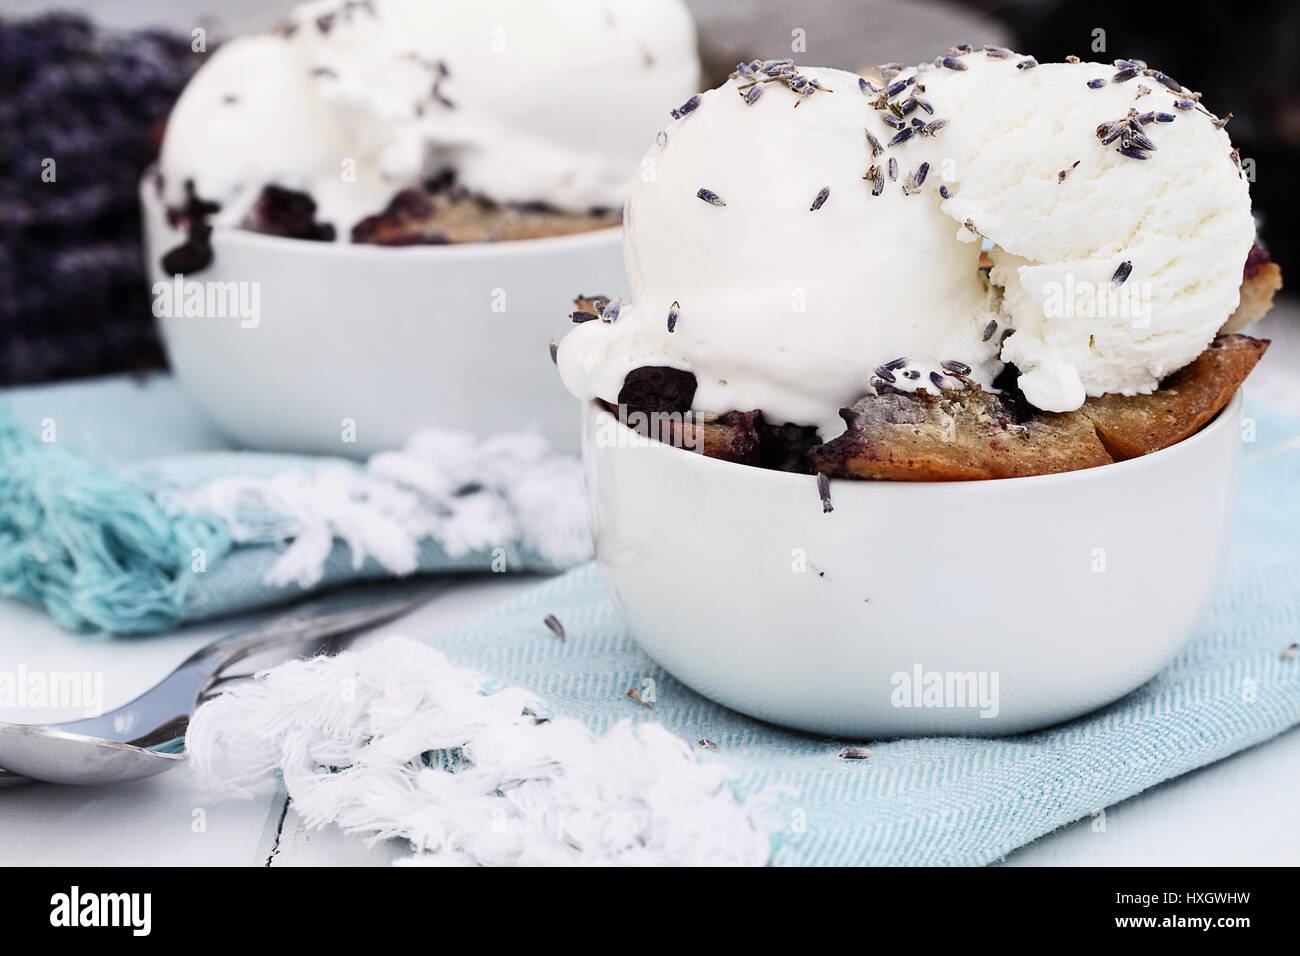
(686, 108)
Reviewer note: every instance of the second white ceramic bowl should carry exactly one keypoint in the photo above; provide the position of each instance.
(984, 607)
(389, 339)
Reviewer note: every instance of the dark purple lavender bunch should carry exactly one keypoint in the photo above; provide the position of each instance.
(73, 295)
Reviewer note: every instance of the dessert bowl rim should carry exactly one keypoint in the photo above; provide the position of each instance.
(1225, 416)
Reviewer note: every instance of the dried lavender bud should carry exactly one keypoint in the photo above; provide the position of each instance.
(997, 52)
(554, 624)
(937, 379)
(921, 172)
(686, 108)
(889, 119)
(708, 744)
(635, 694)
(754, 93)
(1096, 84)
(957, 368)
(952, 63)
(1132, 152)
(876, 148)
(885, 374)
(1028, 63)
(1184, 104)
(611, 310)
(824, 492)
(1165, 117)
(990, 329)
(896, 87)
(1109, 132)
(893, 169)
(1146, 118)
(662, 138)
(710, 197)
(868, 87)
(943, 191)
(877, 181)
(821, 198)
(582, 315)
(1124, 75)
(555, 352)
(1122, 272)
(1168, 81)
(903, 135)
(673, 312)
(924, 104)
(895, 364)
(1141, 141)
(932, 127)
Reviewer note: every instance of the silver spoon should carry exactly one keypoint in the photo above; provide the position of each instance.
(147, 735)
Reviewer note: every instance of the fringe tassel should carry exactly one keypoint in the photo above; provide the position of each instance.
(89, 545)
(509, 491)
(394, 741)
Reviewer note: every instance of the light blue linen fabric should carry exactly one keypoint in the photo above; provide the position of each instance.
(959, 801)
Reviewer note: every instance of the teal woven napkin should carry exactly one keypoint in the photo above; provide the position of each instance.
(954, 800)
(122, 511)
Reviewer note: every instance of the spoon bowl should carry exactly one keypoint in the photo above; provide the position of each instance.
(146, 736)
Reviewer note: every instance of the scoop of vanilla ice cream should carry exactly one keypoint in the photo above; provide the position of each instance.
(781, 306)
(537, 101)
(1024, 164)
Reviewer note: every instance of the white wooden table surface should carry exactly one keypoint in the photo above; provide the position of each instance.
(1238, 811)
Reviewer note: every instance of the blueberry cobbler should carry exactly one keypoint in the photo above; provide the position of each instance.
(401, 122)
(979, 267)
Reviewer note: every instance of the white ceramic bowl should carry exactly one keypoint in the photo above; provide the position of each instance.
(393, 339)
(1033, 599)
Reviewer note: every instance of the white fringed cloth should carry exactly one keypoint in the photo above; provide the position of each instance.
(394, 741)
